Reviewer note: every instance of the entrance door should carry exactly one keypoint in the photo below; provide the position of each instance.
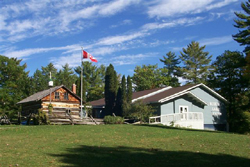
(183, 110)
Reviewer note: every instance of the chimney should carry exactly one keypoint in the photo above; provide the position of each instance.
(74, 88)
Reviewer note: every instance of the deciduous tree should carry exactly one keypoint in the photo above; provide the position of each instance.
(149, 77)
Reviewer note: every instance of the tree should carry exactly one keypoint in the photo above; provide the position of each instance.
(149, 77)
(171, 64)
(243, 23)
(227, 79)
(40, 79)
(66, 76)
(141, 111)
(110, 89)
(14, 85)
(196, 63)
(93, 81)
(129, 90)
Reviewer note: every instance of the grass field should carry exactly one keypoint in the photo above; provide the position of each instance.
(120, 145)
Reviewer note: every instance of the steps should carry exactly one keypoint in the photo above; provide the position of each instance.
(66, 120)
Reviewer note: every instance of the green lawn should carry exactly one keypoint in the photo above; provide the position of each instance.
(120, 145)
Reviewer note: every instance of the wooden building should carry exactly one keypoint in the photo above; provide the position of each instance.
(65, 102)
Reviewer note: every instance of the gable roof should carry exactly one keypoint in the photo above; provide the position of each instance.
(39, 95)
(161, 95)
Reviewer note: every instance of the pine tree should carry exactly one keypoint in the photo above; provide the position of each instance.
(196, 63)
(171, 64)
(110, 89)
(243, 23)
(66, 76)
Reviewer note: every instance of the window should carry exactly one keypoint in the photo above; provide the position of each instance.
(66, 96)
(57, 95)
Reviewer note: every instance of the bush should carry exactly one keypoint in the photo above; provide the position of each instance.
(141, 111)
(41, 118)
(113, 120)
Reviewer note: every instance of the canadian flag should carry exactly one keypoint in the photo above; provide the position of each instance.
(86, 55)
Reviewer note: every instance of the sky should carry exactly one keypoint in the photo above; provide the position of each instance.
(125, 33)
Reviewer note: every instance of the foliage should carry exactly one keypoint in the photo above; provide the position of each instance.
(41, 118)
(110, 89)
(113, 120)
(50, 107)
(129, 90)
(93, 81)
(140, 111)
(14, 85)
(149, 77)
(227, 79)
(243, 24)
(171, 63)
(196, 63)
(66, 76)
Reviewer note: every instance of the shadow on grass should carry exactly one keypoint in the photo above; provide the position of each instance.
(128, 156)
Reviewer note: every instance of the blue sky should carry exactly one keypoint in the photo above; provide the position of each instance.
(125, 33)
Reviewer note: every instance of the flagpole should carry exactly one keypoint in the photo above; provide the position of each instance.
(81, 81)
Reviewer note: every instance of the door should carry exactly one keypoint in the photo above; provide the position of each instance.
(183, 110)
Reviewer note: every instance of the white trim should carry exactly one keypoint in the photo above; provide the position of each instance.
(151, 94)
(180, 94)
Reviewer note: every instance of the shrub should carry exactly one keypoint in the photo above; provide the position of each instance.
(113, 120)
(41, 118)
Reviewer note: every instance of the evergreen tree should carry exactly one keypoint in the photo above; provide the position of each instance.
(14, 85)
(93, 80)
(171, 64)
(110, 89)
(66, 76)
(196, 63)
(118, 103)
(129, 90)
(243, 24)
(227, 79)
(38, 82)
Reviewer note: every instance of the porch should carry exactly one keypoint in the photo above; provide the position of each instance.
(192, 120)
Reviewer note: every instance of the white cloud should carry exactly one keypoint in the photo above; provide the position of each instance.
(173, 23)
(32, 18)
(216, 40)
(130, 59)
(124, 22)
(174, 8)
(28, 52)
(120, 38)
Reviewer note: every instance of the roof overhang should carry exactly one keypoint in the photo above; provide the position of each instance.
(189, 94)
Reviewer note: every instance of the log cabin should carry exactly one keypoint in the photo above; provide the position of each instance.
(65, 102)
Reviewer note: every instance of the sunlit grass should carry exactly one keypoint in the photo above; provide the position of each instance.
(119, 145)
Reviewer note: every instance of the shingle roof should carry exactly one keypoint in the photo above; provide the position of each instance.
(159, 95)
(39, 95)
(166, 93)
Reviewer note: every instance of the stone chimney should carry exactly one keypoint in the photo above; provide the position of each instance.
(74, 88)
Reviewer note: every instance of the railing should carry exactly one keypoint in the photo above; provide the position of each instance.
(190, 119)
